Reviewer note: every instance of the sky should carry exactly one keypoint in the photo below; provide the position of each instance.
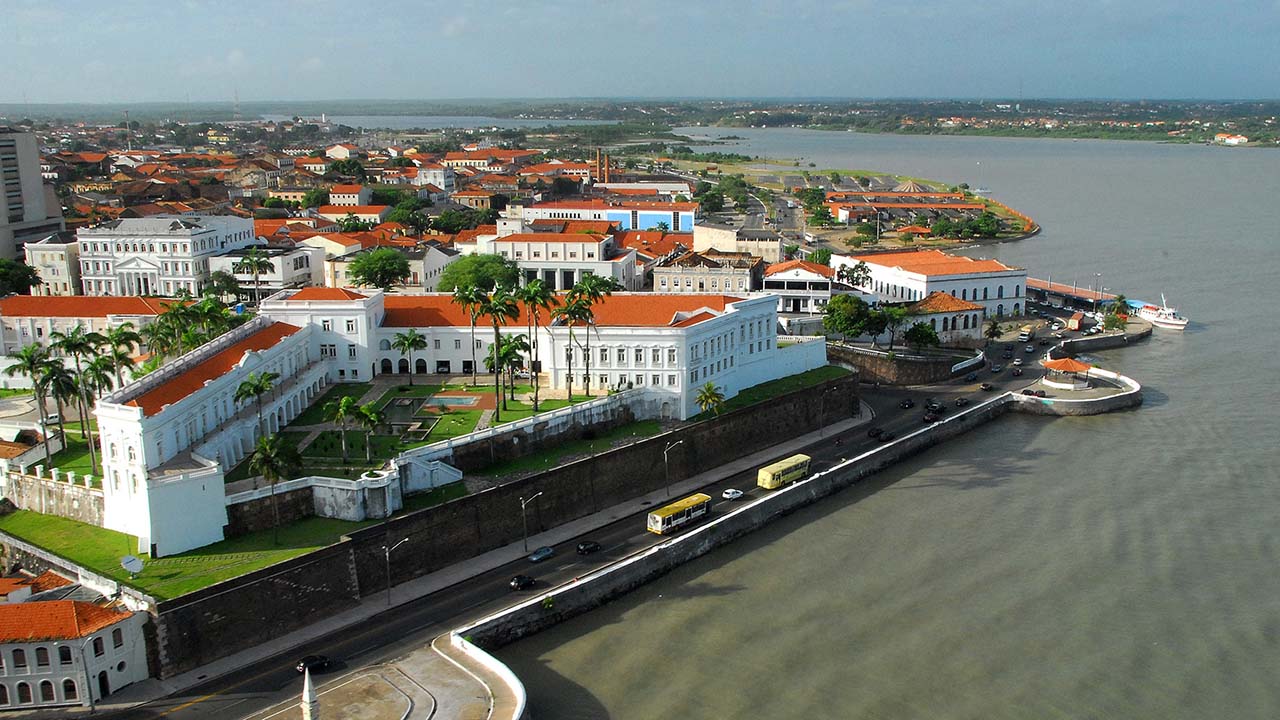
(142, 51)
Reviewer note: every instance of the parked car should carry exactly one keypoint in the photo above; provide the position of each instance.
(731, 494)
(1045, 341)
(1028, 391)
(997, 368)
(1016, 372)
(1029, 349)
(988, 387)
(931, 417)
(971, 377)
(1017, 363)
(522, 582)
(875, 432)
(314, 663)
(586, 547)
(1007, 355)
(962, 401)
(934, 406)
(541, 554)
(886, 437)
(907, 404)
(1041, 393)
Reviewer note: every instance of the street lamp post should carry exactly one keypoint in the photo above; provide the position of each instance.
(1097, 293)
(666, 469)
(386, 549)
(524, 517)
(84, 665)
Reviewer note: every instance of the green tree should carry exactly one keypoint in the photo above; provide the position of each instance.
(710, 398)
(662, 226)
(484, 272)
(222, 284)
(407, 213)
(342, 411)
(821, 256)
(350, 167)
(253, 388)
(407, 342)
(993, 330)
(351, 223)
(712, 202)
(575, 311)
(275, 460)
(273, 202)
(97, 376)
(469, 297)
(62, 386)
(1112, 321)
(120, 343)
(501, 307)
(592, 288)
(17, 278)
(33, 361)
(382, 268)
(536, 297)
(894, 317)
(369, 417)
(854, 275)
(822, 217)
(315, 197)
(846, 315)
(78, 344)
(514, 348)
(255, 262)
(921, 335)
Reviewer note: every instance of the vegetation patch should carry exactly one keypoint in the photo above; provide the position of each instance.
(551, 457)
(314, 415)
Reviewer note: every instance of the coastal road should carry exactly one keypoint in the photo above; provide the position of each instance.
(412, 625)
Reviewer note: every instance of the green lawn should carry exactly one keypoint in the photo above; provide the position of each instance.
(555, 456)
(329, 445)
(242, 471)
(100, 550)
(519, 411)
(314, 415)
(14, 392)
(781, 386)
(418, 390)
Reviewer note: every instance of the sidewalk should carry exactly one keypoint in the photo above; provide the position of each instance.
(457, 690)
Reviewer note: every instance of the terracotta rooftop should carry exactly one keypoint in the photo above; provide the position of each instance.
(933, 263)
(789, 265)
(621, 310)
(346, 189)
(353, 209)
(326, 293)
(189, 381)
(547, 237)
(618, 205)
(941, 302)
(81, 306)
(53, 620)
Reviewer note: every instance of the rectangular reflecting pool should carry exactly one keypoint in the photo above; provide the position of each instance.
(454, 400)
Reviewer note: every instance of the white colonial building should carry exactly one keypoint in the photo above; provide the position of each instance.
(802, 286)
(56, 258)
(956, 321)
(563, 258)
(27, 319)
(900, 277)
(158, 255)
(61, 652)
(291, 267)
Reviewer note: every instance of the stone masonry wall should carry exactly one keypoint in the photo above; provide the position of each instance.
(254, 515)
(61, 498)
(900, 370)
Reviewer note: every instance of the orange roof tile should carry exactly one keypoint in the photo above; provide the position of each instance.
(933, 263)
(353, 209)
(48, 580)
(185, 383)
(620, 310)
(576, 237)
(617, 204)
(941, 302)
(74, 306)
(53, 620)
(346, 189)
(326, 293)
(814, 268)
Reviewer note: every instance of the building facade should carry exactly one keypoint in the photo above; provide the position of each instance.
(27, 319)
(710, 271)
(28, 211)
(764, 244)
(901, 277)
(635, 215)
(56, 258)
(291, 267)
(158, 255)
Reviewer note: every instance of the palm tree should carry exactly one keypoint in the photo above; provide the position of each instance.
(470, 297)
(574, 311)
(62, 385)
(79, 344)
(34, 361)
(406, 342)
(211, 316)
(710, 398)
(274, 460)
(255, 261)
(97, 376)
(592, 288)
(369, 417)
(513, 347)
(536, 297)
(253, 388)
(501, 307)
(341, 411)
(159, 337)
(121, 341)
(993, 330)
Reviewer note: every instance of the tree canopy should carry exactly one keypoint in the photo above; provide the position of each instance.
(383, 268)
(846, 315)
(478, 271)
(921, 335)
(16, 277)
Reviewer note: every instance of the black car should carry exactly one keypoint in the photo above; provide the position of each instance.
(522, 582)
(1007, 355)
(934, 406)
(1041, 393)
(971, 377)
(1029, 392)
(885, 437)
(1045, 341)
(1016, 371)
(586, 547)
(988, 387)
(907, 404)
(932, 417)
(314, 663)
(962, 401)
(875, 432)
(1009, 347)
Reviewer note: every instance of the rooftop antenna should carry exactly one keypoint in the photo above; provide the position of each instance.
(128, 131)
(235, 112)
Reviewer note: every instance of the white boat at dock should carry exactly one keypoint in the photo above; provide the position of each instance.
(1163, 316)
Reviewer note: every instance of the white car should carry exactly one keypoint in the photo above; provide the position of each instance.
(731, 494)
(1018, 362)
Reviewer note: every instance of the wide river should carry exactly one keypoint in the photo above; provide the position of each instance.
(1118, 566)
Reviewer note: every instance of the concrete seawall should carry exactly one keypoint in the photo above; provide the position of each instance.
(599, 587)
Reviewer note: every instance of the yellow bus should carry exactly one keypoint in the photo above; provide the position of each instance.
(772, 477)
(681, 512)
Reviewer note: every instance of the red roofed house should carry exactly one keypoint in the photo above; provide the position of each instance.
(27, 319)
(375, 214)
(59, 652)
(912, 275)
(802, 286)
(956, 321)
(350, 195)
(561, 257)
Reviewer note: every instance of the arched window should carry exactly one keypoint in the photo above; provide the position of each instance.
(24, 694)
(1017, 308)
(117, 638)
(42, 657)
(984, 293)
(1000, 291)
(98, 647)
(1000, 310)
(384, 345)
(20, 658)
(964, 294)
(4, 694)
(966, 322)
(46, 691)
(64, 655)
(933, 323)
(69, 691)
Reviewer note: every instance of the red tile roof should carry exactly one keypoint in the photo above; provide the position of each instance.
(353, 209)
(189, 381)
(814, 268)
(346, 189)
(617, 205)
(933, 263)
(48, 580)
(941, 302)
(621, 310)
(547, 237)
(327, 293)
(53, 620)
(74, 306)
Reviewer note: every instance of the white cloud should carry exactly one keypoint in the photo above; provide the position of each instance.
(454, 26)
(313, 64)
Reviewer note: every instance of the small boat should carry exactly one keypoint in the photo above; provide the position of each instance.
(981, 191)
(1163, 316)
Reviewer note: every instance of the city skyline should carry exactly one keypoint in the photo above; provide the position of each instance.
(137, 52)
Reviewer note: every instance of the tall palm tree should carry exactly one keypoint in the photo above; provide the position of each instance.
(470, 297)
(34, 361)
(574, 311)
(211, 316)
(342, 411)
(592, 288)
(62, 385)
(159, 337)
(255, 261)
(536, 296)
(97, 376)
(274, 460)
(79, 345)
(514, 348)
(253, 388)
(406, 342)
(993, 330)
(501, 307)
(710, 398)
(120, 343)
(369, 417)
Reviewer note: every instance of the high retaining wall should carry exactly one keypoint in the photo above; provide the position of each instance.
(898, 367)
(53, 493)
(1104, 341)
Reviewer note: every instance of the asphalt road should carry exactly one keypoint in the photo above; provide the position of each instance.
(412, 625)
